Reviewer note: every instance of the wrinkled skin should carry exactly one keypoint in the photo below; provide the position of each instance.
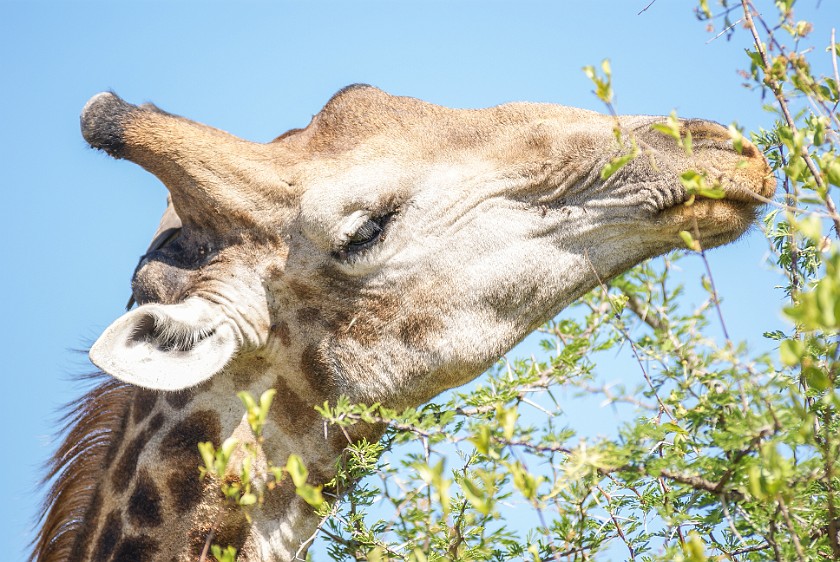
(390, 250)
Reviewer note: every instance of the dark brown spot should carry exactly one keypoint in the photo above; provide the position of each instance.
(136, 549)
(86, 531)
(383, 307)
(309, 316)
(418, 329)
(281, 330)
(361, 328)
(144, 504)
(184, 484)
(108, 537)
(127, 464)
(316, 369)
(155, 424)
(337, 439)
(290, 411)
(353, 434)
(367, 319)
(242, 378)
(197, 539)
(303, 291)
(232, 531)
(144, 403)
(179, 399)
(181, 445)
(316, 477)
(116, 442)
(200, 426)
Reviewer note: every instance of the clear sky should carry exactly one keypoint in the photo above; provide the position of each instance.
(74, 221)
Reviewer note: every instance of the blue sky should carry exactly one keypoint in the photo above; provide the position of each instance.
(74, 221)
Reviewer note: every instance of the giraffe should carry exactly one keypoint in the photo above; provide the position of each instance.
(388, 251)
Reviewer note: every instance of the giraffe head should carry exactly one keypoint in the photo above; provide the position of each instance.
(393, 249)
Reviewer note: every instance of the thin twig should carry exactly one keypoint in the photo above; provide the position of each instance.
(834, 64)
(616, 523)
(645, 9)
(724, 31)
(663, 407)
(793, 535)
(749, 549)
(829, 484)
(644, 311)
(774, 87)
(207, 542)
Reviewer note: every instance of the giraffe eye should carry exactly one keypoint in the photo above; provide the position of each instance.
(368, 234)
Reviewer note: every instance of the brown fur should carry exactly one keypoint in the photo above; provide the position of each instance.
(264, 247)
(92, 429)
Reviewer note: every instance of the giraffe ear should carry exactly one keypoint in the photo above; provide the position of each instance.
(167, 346)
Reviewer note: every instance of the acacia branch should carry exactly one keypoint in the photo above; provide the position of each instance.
(776, 89)
(644, 311)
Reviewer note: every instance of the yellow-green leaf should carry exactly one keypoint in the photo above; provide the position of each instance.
(296, 469)
(310, 494)
(790, 352)
(615, 165)
(476, 496)
(689, 241)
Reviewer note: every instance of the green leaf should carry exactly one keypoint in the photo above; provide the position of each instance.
(790, 352)
(481, 439)
(248, 499)
(694, 548)
(831, 168)
(507, 419)
(616, 164)
(208, 456)
(310, 494)
(816, 378)
(226, 555)
(296, 469)
(692, 181)
(811, 227)
(737, 138)
(525, 482)
(476, 496)
(603, 86)
(795, 168)
(689, 241)
(711, 193)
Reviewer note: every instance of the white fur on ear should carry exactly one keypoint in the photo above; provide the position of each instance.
(167, 346)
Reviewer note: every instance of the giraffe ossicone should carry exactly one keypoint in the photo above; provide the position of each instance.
(389, 250)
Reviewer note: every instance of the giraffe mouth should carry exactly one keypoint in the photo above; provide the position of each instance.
(714, 221)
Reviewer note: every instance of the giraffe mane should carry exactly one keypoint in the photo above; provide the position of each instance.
(91, 425)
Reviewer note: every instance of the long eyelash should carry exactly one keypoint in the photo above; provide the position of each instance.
(377, 227)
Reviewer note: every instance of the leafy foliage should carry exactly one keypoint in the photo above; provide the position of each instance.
(725, 455)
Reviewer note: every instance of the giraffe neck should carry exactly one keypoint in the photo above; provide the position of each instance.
(150, 503)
